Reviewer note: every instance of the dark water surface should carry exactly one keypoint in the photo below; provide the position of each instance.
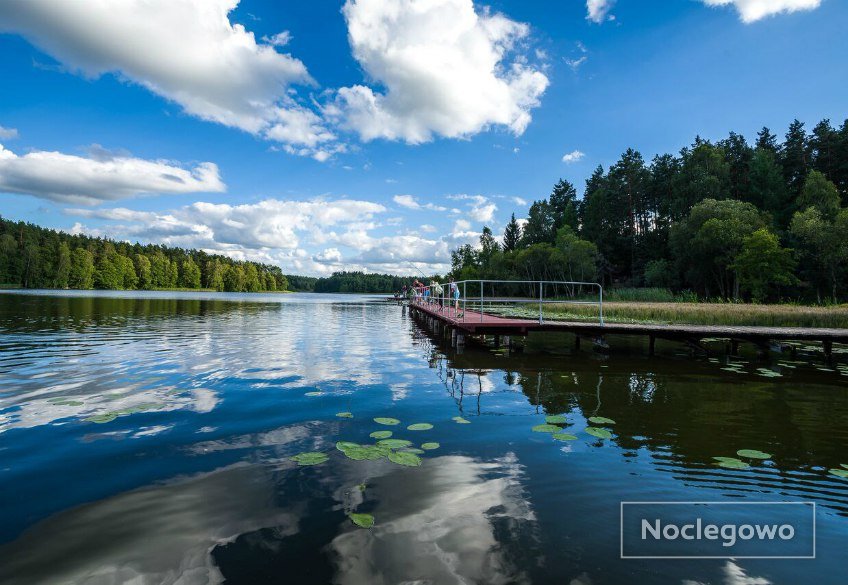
(192, 481)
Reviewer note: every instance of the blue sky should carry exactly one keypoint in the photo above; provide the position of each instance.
(372, 134)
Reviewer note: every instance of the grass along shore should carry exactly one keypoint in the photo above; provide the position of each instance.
(695, 314)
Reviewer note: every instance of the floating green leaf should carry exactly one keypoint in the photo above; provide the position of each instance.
(344, 414)
(598, 432)
(102, 418)
(564, 437)
(364, 453)
(419, 427)
(310, 458)
(839, 472)
(362, 520)
(408, 459)
(345, 445)
(731, 463)
(382, 420)
(314, 394)
(394, 443)
(380, 434)
(601, 420)
(845, 465)
(546, 429)
(461, 421)
(430, 446)
(753, 454)
(556, 419)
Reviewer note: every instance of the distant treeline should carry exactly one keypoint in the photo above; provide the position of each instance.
(727, 220)
(36, 257)
(360, 282)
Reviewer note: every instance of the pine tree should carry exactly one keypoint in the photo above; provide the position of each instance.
(794, 157)
(512, 235)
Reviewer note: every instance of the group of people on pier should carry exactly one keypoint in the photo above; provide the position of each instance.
(432, 294)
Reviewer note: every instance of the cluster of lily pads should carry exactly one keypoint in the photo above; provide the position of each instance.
(552, 422)
(755, 455)
(398, 451)
(736, 463)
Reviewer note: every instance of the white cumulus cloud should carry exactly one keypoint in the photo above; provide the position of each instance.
(411, 202)
(598, 11)
(754, 10)
(573, 156)
(187, 51)
(100, 176)
(445, 69)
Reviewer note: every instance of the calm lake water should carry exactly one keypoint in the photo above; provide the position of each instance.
(147, 438)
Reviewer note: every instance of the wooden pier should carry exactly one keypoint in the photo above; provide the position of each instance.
(474, 323)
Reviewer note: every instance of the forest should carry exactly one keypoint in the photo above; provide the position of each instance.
(37, 257)
(727, 220)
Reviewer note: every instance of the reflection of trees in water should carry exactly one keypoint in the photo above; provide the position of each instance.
(28, 313)
(682, 416)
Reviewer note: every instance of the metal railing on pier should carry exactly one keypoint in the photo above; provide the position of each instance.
(474, 299)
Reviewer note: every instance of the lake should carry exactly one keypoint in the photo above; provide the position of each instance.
(148, 438)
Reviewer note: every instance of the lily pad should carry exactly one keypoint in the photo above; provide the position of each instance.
(382, 420)
(310, 458)
(380, 434)
(546, 429)
(839, 473)
(365, 453)
(461, 421)
(419, 427)
(430, 446)
(845, 465)
(408, 459)
(394, 443)
(102, 418)
(345, 445)
(362, 520)
(753, 454)
(598, 432)
(564, 437)
(601, 420)
(556, 419)
(731, 463)
(314, 394)
(344, 414)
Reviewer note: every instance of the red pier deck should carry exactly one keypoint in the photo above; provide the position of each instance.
(475, 323)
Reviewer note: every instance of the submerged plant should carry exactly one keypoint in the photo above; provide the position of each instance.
(102, 418)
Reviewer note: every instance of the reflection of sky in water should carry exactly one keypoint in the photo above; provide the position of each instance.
(193, 481)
